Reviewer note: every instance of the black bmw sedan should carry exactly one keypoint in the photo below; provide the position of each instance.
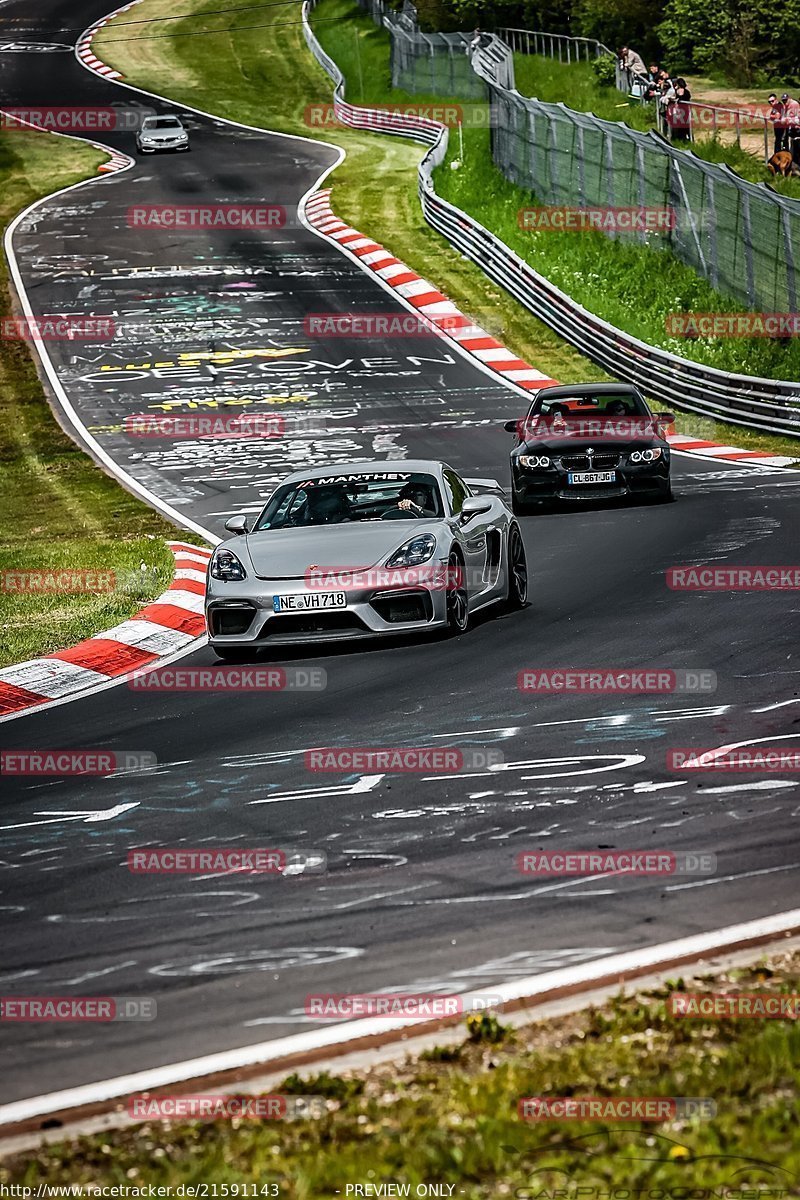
(589, 441)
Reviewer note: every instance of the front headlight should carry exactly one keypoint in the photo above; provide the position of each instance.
(646, 455)
(226, 566)
(417, 551)
(534, 460)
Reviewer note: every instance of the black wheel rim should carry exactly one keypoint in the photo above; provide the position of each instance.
(457, 601)
(519, 567)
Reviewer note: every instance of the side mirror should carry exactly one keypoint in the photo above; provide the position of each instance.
(473, 506)
(237, 524)
(512, 426)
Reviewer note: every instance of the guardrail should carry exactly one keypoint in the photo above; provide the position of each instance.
(563, 46)
(766, 404)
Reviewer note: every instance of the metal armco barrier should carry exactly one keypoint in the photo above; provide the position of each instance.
(771, 405)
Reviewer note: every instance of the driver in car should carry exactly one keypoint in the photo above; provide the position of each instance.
(326, 506)
(415, 499)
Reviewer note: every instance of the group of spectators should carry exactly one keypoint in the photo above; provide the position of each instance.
(655, 83)
(785, 117)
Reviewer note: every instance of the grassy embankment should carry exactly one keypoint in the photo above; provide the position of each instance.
(59, 510)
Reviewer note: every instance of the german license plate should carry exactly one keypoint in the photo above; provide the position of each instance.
(303, 601)
(591, 477)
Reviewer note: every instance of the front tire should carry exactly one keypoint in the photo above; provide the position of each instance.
(517, 565)
(457, 597)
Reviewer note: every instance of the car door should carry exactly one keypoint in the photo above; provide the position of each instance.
(471, 537)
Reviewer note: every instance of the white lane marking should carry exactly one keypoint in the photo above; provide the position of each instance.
(719, 751)
(620, 761)
(764, 785)
(584, 974)
(89, 817)
(131, 962)
(364, 784)
(695, 883)
(771, 707)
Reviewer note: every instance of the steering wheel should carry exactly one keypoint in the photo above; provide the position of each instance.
(399, 514)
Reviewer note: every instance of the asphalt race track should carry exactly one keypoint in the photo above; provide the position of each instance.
(422, 891)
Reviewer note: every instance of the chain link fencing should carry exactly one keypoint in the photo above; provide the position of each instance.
(768, 404)
(741, 237)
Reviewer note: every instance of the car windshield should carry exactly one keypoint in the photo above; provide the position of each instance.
(602, 404)
(162, 123)
(336, 499)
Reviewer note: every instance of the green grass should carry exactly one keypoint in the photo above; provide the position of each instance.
(576, 86)
(268, 77)
(450, 1117)
(59, 509)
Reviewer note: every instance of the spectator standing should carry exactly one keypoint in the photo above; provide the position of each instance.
(629, 60)
(791, 120)
(679, 114)
(776, 116)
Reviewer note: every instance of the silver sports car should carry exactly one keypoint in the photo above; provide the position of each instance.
(362, 550)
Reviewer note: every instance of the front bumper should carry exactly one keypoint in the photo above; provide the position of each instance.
(242, 614)
(152, 147)
(552, 483)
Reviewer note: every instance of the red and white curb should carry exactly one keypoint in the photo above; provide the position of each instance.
(451, 322)
(117, 162)
(168, 625)
(690, 445)
(84, 50)
(431, 304)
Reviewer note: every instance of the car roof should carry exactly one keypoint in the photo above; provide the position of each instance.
(405, 466)
(588, 389)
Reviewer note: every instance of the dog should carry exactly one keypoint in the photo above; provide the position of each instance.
(783, 164)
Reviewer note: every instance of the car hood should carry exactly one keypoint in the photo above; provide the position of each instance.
(579, 445)
(161, 135)
(290, 553)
